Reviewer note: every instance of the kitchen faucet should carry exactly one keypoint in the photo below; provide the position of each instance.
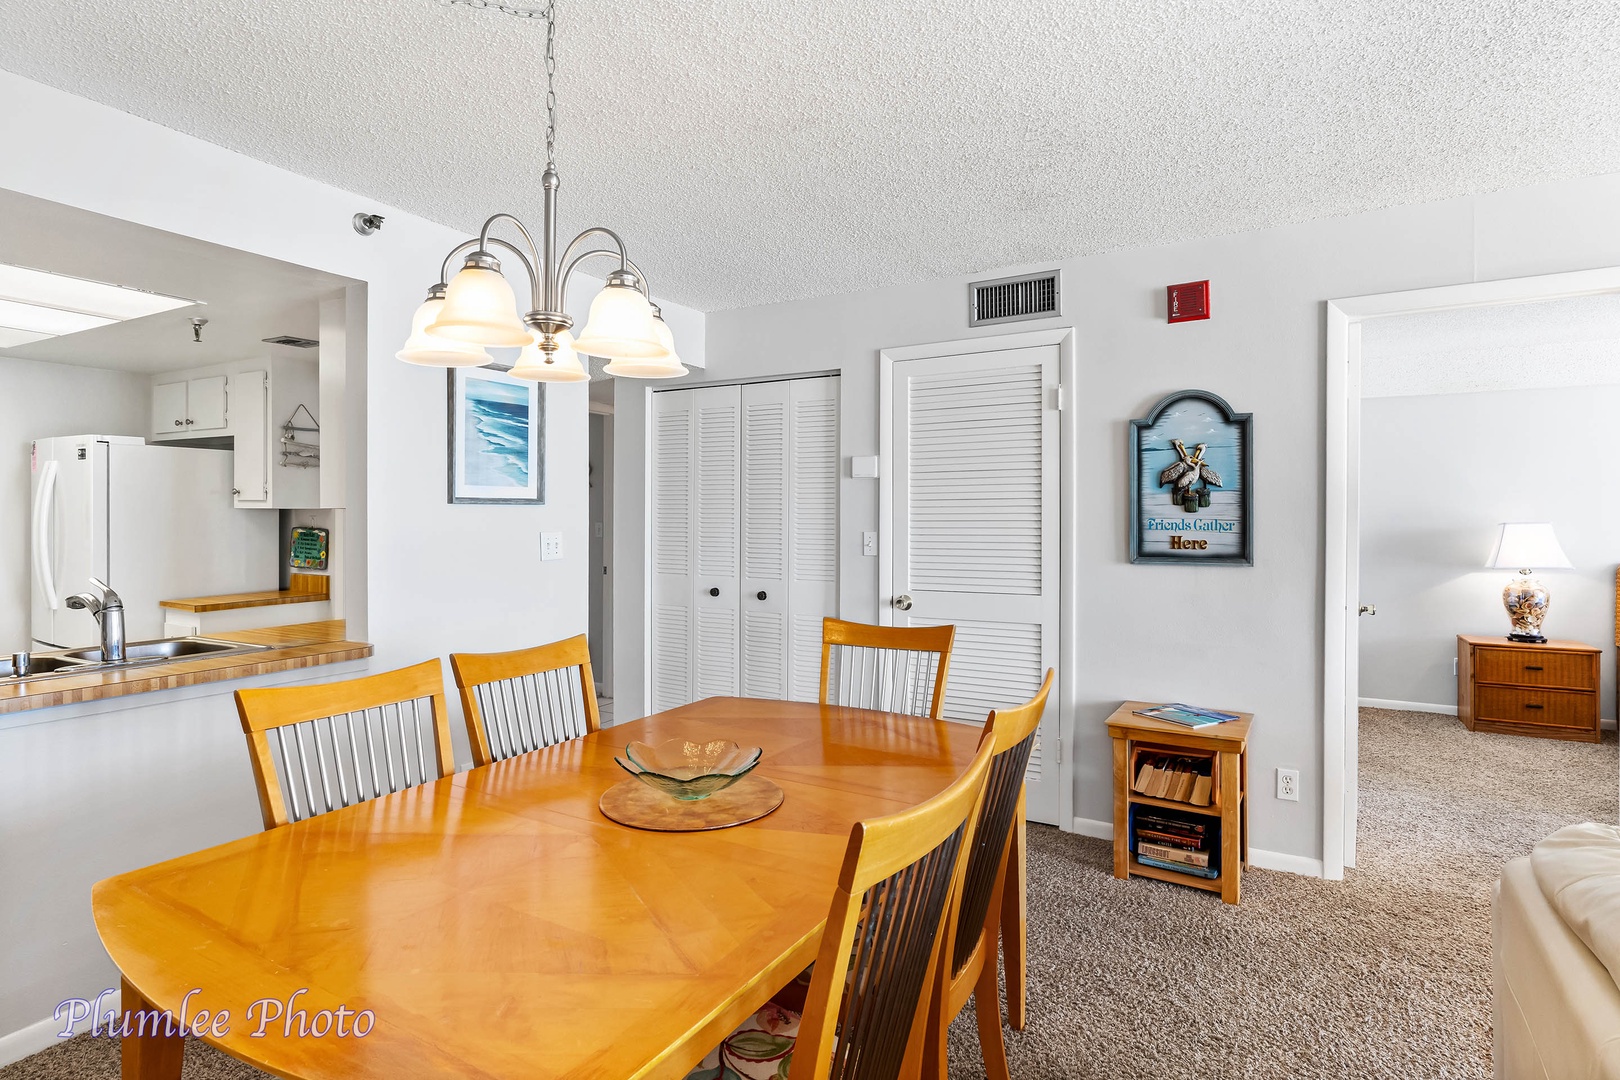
(107, 610)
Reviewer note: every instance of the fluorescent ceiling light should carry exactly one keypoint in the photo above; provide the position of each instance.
(112, 302)
(47, 320)
(10, 338)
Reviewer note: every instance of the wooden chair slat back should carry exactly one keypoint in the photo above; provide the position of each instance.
(518, 701)
(891, 668)
(1015, 737)
(877, 969)
(310, 754)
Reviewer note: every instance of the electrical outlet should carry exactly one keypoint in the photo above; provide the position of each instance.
(1288, 784)
(868, 543)
(550, 546)
(1453, 667)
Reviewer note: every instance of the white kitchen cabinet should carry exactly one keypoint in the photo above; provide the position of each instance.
(744, 538)
(243, 405)
(188, 408)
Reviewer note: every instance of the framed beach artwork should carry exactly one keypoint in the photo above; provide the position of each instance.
(1191, 497)
(497, 438)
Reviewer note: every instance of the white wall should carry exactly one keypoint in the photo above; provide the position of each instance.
(1439, 473)
(436, 577)
(1249, 638)
(38, 401)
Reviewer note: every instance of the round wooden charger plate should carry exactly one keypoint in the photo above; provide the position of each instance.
(633, 803)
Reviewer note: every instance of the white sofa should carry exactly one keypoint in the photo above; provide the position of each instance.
(1556, 1009)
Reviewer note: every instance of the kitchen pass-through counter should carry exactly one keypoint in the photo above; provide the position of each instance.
(286, 648)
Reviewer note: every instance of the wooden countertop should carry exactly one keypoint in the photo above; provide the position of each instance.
(299, 646)
(306, 589)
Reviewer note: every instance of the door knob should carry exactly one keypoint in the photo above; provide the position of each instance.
(1368, 609)
(903, 602)
(760, 595)
(714, 592)
(177, 423)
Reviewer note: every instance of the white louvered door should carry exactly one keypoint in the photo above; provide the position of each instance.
(974, 532)
(673, 439)
(717, 635)
(745, 484)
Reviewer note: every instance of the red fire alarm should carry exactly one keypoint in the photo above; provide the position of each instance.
(1188, 301)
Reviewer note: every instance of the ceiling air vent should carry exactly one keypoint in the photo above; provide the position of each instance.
(1032, 296)
(293, 342)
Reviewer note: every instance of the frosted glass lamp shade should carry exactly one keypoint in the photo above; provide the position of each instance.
(428, 351)
(651, 369)
(620, 327)
(479, 307)
(1528, 546)
(564, 367)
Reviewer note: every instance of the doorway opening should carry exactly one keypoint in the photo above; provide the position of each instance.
(599, 628)
(1452, 411)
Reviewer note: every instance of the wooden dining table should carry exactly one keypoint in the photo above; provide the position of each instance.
(495, 924)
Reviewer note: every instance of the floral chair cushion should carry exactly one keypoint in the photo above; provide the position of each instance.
(760, 1049)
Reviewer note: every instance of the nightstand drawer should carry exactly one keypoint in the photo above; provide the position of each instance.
(1533, 667)
(1547, 708)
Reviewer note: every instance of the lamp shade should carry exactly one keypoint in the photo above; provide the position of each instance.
(620, 327)
(1528, 546)
(671, 368)
(429, 351)
(564, 367)
(479, 307)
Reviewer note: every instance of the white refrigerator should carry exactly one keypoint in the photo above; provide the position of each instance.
(154, 522)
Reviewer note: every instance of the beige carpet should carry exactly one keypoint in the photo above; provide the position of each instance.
(1386, 974)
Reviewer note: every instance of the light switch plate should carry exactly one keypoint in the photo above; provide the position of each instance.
(869, 543)
(550, 546)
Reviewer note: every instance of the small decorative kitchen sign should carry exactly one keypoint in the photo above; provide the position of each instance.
(309, 548)
(1191, 499)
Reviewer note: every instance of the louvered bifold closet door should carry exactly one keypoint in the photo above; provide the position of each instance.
(812, 529)
(717, 536)
(674, 433)
(975, 530)
(790, 534)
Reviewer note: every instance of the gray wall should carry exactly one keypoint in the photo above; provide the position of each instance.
(1249, 638)
(1439, 473)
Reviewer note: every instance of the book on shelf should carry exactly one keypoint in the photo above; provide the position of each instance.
(1180, 868)
(1161, 775)
(1186, 715)
(1171, 853)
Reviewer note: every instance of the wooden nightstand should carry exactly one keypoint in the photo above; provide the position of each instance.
(1516, 688)
(1227, 744)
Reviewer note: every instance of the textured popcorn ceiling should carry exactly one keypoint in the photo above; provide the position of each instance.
(759, 150)
(1550, 343)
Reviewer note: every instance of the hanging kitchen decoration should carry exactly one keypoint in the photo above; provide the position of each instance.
(1191, 496)
(466, 315)
(299, 453)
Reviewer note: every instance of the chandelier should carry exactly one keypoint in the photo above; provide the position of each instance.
(466, 315)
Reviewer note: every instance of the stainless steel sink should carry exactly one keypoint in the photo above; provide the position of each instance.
(167, 649)
(136, 654)
(41, 665)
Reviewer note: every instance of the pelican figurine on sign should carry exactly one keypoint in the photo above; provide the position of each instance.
(1188, 471)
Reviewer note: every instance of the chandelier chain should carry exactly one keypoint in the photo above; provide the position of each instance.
(551, 84)
(549, 14)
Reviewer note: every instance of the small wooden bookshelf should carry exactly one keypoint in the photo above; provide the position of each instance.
(1218, 831)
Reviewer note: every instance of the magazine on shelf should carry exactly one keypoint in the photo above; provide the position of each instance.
(1186, 715)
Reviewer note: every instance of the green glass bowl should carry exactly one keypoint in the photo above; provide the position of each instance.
(688, 770)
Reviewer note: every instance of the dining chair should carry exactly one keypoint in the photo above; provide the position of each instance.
(315, 756)
(522, 700)
(866, 1012)
(969, 968)
(891, 668)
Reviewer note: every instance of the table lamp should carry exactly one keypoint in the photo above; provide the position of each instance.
(1526, 546)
